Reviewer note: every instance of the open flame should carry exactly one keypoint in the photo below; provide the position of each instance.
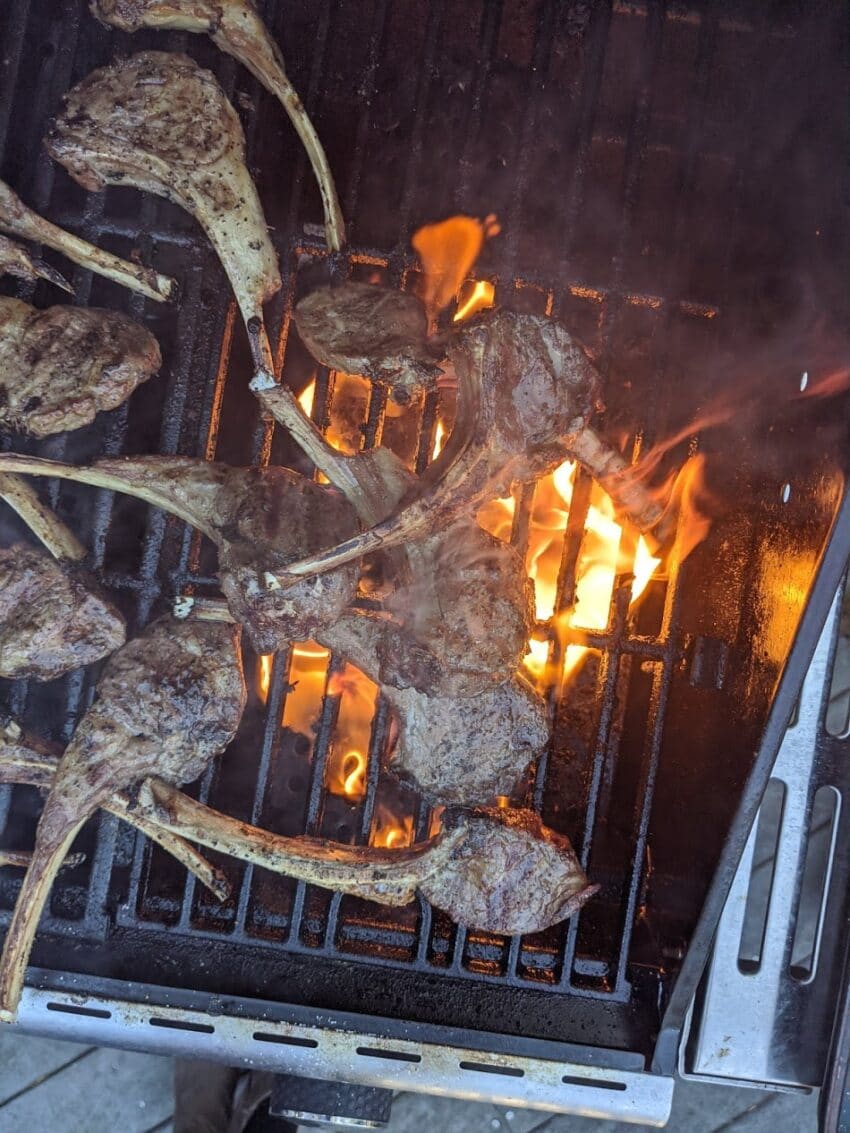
(307, 677)
(474, 297)
(307, 396)
(448, 250)
(264, 675)
(348, 758)
(389, 831)
(439, 440)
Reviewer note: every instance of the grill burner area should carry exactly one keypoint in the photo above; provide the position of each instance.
(678, 218)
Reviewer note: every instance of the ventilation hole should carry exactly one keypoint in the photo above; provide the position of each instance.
(814, 884)
(178, 1025)
(786, 493)
(88, 1012)
(804, 380)
(486, 1068)
(837, 721)
(598, 1083)
(761, 878)
(284, 1040)
(392, 1055)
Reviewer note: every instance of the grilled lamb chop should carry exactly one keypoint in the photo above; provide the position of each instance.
(526, 391)
(387, 876)
(167, 703)
(259, 518)
(375, 331)
(18, 220)
(236, 28)
(26, 759)
(63, 365)
(16, 260)
(510, 874)
(163, 124)
(51, 621)
(53, 618)
(457, 750)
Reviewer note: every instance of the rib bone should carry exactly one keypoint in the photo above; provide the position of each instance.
(18, 220)
(25, 759)
(236, 28)
(18, 261)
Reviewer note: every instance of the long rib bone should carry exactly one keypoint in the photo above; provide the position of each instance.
(18, 220)
(18, 261)
(236, 28)
(167, 703)
(259, 518)
(25, 759)
(387, 876)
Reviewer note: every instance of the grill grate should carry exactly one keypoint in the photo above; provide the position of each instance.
(625, 157)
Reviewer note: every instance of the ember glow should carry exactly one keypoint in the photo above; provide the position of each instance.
(307, 678)
(474, 297)
(447, 251)
(264, 675)
(389, 831)
(348, 757)
(439, 440)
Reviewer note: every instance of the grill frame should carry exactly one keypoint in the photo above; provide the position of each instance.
(181, 430)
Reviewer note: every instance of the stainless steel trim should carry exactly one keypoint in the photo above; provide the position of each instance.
(352, 1056)
(755, 1026)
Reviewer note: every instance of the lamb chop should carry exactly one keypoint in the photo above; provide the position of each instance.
(375, 331)
(16, 260)
(510, 874)
(161, 123)
(27, 759)
(18, 220)
(236, 28)
(259, 518)
(65, 364)
(53, 617)
(51, 621)
(526, 391)
(164, 813)
(167, 703)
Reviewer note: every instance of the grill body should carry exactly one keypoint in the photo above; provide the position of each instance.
(689, 223)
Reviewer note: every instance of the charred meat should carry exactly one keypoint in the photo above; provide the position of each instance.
(510, 874)
(63, 365)
(167, 703)
(51, 620)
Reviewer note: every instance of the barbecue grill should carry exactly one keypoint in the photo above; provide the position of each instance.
(670, 183)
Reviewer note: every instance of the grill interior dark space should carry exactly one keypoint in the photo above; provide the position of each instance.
(669, 183)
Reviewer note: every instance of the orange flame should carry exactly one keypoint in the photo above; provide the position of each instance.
(689, 497)
(497, 517)
(448, 250)
(481, 295)
(307, 397)
(308, 673)
(439, 440)
(347, 760)
(264, 675)
(389, 831)
(600, 560)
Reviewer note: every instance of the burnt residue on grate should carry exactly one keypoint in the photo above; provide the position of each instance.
(674, 214)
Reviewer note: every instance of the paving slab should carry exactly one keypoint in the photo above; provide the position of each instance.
(28, 1059)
